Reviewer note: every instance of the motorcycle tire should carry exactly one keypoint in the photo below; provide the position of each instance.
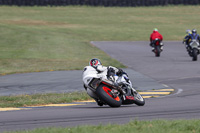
(138, 99)
(104, 93)
(157, 51)
(194, 54)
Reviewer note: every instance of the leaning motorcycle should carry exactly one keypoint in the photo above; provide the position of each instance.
(158, 47)
(194, 50)
(113, 91)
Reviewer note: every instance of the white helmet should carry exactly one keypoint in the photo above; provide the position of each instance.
(95, 62)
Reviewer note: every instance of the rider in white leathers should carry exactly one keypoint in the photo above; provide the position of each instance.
(96, 68)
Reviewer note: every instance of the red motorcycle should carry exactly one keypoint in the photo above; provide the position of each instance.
(158, 47)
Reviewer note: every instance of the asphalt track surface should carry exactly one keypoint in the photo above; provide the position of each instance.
(174, 68)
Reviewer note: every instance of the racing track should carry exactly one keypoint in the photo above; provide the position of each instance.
(174, 68)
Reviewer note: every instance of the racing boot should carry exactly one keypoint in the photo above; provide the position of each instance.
(129, 95)
(99, 102)
(161, 46)
(153, 49)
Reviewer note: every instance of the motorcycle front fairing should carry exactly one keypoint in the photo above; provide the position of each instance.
(89, 73)
(92, 79)
(194, 44)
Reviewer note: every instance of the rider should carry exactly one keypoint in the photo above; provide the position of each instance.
(186, 39)
(96, 67)
(103, 71)
(155, 35)
(194, 35)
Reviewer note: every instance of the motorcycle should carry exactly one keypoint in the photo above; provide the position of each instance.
(113, 91)
(158, 47)
(194, 49)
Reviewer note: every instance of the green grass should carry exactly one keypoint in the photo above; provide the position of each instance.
(58, 38)
(135, 126)
(41, 99)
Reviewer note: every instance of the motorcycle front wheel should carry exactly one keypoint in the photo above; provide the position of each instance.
(105, 94)
(194, 54)
(138, 99)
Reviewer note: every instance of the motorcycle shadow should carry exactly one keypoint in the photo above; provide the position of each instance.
(93, 106)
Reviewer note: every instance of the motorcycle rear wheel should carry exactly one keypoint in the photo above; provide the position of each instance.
(104, 93)
(157, 51)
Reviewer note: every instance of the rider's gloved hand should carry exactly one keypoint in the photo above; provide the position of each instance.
(120, 72)
(150, 44)
(110, 72)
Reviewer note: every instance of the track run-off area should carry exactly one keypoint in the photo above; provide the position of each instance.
(169, 83)
(145, 94)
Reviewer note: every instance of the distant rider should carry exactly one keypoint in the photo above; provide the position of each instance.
(187, 39)
(194, 35)
(153, 37)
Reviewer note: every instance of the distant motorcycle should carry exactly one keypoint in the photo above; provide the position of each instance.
(158, 47)
(115, 91)
(194, 50)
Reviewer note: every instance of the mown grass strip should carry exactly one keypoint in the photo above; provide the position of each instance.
(58, 99)
(135, 126)
(42, 99)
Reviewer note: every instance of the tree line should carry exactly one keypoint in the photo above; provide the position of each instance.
(99, 2)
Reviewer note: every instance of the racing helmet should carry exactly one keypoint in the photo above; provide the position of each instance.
(194, 31)
(188, 31)
(95, 62)
(155, 29)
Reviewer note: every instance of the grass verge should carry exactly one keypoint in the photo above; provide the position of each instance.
(135, 126)
(42, 99)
